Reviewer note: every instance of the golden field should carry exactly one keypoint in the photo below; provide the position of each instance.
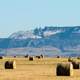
(38, 69)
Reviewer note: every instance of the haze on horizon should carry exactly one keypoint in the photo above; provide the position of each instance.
(19, 15)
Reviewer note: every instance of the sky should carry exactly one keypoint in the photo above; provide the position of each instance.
(23, 15)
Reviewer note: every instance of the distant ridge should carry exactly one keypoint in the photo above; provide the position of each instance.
(61, 38)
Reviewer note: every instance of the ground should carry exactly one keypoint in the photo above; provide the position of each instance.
(43, 69)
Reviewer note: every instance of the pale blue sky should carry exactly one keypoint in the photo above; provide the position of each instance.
(17, 15)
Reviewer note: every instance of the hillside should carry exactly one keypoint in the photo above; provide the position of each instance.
(64, 39)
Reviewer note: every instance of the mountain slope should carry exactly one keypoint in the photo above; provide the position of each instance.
(62, 38)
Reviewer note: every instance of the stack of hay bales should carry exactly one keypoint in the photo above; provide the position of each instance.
(30, 58)
(10, 65)
(64, 69)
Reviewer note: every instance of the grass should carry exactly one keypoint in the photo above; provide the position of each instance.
(43, 69)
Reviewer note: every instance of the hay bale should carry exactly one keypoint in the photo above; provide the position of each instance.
(30, 58)
(14, 56)
(58, 56)
(76, 65)
(10, 65)
(38, 57)
(1, 57)
(78, 57)
(64, 69)
(70, 59)
(41, 56)
(26, 56)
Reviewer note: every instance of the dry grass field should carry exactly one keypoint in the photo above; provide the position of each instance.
(38, 69)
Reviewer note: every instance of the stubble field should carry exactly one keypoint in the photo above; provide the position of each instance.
(38, 69)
